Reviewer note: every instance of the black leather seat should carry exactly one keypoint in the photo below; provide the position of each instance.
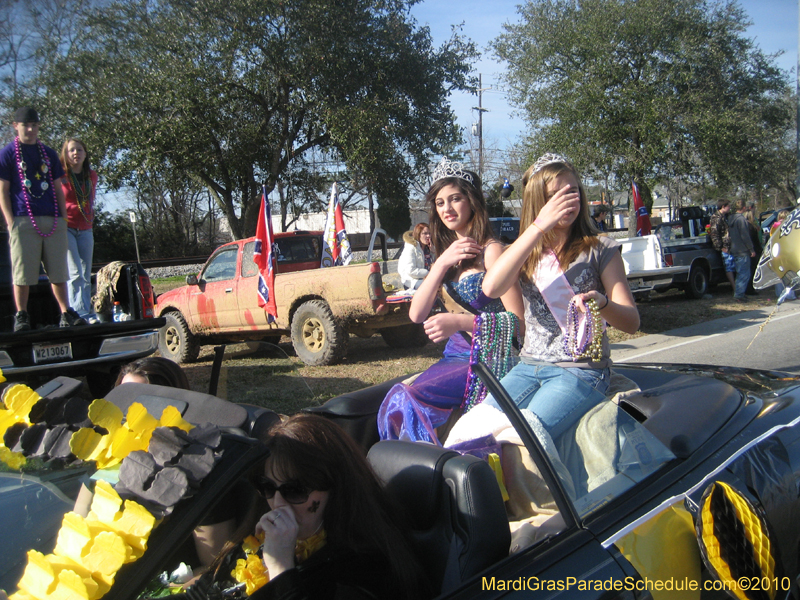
(458, 519)
(357, 412)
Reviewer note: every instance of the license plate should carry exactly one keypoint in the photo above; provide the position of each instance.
(43, 353)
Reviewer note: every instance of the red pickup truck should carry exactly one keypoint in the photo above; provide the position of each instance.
(318, 308)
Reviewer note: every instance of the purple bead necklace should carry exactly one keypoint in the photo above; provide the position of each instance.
(43, 186)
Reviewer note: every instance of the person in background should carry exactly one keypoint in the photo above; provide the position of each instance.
(718, 231)
(32, 200)
(755, 238)
(417, 257)
(599, 216)
(742, 250)
(79, 188)
(330, 530)
(155, 370)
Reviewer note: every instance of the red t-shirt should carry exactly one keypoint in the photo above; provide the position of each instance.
(76, 218)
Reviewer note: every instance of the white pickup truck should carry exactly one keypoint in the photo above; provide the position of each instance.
(656, 264)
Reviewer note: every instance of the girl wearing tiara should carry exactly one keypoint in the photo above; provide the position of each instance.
(573, 282)
(465, 247)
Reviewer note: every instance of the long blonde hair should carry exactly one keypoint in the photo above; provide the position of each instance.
(582, 233)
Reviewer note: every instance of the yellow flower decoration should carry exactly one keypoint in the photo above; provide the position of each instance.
(251, 543)
(122, 438)
(2, 378)
(89, 551)
(252, 572)
(18, 401)
(133, 523)
(15, 460)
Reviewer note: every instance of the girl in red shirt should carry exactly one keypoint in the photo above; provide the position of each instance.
(80, 186)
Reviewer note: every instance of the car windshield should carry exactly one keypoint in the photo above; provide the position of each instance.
(32, 505)
(601, 454)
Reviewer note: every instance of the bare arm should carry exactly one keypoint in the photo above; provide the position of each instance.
(505, 271)
(512, 299)
(5, 202)
(620, 312)
(426, 294)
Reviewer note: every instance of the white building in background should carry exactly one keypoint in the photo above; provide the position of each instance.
(355, 221)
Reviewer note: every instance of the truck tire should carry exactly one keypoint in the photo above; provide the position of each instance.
(175, 341)
(697, 285)
(317, 337)
(405, 336)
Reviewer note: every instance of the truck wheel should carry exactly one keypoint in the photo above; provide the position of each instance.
(697, 285)
(175, 342)
(316, 336)
(405, 336)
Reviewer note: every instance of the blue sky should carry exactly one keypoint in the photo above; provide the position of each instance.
(775, 28)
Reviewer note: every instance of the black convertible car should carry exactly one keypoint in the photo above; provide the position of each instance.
(685, 481)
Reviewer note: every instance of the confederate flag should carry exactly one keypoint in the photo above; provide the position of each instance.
(642, 216)
(263, 256)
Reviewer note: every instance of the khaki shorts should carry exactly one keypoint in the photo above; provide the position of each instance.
(29, 250)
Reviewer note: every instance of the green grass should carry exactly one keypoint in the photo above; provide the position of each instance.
(275, 378)
(165, 284)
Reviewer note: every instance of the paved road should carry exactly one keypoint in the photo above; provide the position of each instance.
(732, 341)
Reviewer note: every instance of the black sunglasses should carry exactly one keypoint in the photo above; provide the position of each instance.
(292, 492)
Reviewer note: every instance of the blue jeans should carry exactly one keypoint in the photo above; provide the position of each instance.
(80, 244)
(558, 396)
(742, 263)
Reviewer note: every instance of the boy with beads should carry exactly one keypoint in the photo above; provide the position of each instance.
(35, 212)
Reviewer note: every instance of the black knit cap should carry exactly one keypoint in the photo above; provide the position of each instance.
(26, 114)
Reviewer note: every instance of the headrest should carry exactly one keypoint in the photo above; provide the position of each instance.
(195, 407)
(412, 475)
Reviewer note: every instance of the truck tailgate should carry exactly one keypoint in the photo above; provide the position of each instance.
(57, 349)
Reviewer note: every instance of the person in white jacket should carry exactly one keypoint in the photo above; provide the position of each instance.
(417, 256)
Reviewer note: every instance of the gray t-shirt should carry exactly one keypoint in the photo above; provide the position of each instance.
(544, 340)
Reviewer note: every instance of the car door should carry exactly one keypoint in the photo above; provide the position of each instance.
(551, 488)
(251, 315)
(213, 302)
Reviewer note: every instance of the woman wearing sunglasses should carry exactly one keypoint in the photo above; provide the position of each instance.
(330, 530)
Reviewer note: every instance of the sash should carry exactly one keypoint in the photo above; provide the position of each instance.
(554, 287)
(557, 293)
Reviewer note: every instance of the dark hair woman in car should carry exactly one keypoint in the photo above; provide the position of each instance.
(330, 530)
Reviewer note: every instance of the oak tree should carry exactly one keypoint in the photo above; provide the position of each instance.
(230, 93)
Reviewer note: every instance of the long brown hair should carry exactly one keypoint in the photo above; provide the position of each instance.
(479, 228)
(418, 232)
(359, 515)
(582, 233)
(87, 165)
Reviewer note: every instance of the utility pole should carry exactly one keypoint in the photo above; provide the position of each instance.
(480, 110)
(797, 76)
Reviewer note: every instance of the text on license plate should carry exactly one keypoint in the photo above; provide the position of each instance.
(51, 352)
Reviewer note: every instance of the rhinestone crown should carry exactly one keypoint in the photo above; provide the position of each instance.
(447, 168)
(547, 159)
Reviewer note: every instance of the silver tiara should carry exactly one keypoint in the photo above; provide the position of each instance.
(447, 168)
(547, 159)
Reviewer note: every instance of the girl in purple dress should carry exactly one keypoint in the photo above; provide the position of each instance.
(464, 245)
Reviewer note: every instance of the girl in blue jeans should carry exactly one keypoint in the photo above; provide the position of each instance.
(573, 283)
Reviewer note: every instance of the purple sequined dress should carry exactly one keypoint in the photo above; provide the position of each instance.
(413, 412)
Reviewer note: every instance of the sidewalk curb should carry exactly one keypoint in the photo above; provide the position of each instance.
(620, 351)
